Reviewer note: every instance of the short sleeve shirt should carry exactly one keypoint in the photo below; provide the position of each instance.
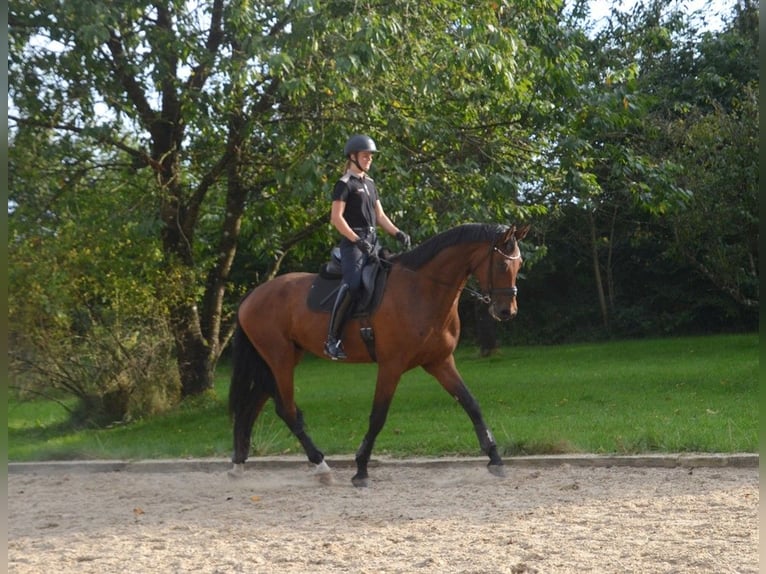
(360, 196)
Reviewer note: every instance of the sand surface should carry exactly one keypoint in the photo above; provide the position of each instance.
(411, 519)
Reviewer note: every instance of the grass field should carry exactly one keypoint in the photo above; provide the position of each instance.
(695, 394)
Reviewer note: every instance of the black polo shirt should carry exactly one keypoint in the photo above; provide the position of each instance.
(360, 196)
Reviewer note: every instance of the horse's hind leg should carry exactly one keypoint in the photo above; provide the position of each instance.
(289, 412)
(449, 378)
(293, 418)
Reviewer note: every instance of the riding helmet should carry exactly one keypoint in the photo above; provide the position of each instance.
(358, 143)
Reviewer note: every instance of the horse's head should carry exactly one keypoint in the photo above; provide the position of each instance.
(497, 274)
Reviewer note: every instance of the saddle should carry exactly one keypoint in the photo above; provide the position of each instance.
(325, 287)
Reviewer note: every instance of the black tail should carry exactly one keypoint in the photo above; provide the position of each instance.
(252, 383)
(251, 377)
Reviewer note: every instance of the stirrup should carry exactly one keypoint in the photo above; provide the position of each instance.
(334, 350)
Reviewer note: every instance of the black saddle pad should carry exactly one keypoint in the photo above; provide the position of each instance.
(325, 287)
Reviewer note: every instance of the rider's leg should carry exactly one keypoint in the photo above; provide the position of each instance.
(340, 312)
(352, 260)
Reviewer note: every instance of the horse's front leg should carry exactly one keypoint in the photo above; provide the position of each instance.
(384, 393)
(449, 378)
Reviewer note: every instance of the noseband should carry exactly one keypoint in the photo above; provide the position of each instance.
(491, 291)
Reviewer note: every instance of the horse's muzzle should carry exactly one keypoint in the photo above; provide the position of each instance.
(503, 314)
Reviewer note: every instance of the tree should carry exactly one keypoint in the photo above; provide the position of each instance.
(706, 122)
(650, 67)
(603, 170)
(659, 183)
(717, 231)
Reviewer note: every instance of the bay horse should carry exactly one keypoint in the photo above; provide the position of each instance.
(416, 324)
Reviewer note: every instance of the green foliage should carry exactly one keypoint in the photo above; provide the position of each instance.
(645, 195)
(166, 157)
(717, 230)
(115, 372)
(661, 395)
(232, 115)
(82, 326)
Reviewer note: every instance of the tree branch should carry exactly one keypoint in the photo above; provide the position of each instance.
(201, 71)
(296, 238)
(128, 81)
(140, 155)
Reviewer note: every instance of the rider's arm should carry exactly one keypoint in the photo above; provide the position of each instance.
(383, 221)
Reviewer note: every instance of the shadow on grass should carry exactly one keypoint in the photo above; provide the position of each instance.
(187, 425)
(523, 448)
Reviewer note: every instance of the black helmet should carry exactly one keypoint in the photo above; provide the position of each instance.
(358, 143)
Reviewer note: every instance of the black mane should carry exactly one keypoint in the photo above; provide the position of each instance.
(466, 233)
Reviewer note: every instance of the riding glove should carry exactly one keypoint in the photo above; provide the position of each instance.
(364, 246)
(404, 239)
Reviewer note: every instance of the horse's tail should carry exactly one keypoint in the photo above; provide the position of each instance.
(251, 376)
(252, 384)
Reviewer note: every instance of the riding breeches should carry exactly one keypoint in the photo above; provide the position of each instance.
(352, 259)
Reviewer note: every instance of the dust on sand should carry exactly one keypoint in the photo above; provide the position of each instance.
(451, 518)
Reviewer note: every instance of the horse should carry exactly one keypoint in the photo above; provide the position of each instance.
(416, 324)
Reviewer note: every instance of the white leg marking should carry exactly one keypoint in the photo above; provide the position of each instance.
(237, 471)
(324, 473)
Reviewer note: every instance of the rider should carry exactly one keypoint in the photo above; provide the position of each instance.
(356, 214)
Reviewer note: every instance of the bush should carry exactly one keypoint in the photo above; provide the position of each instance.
(116, 372)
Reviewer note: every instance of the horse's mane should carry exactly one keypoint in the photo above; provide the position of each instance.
(466, 233)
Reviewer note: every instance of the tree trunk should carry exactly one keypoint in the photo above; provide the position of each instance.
(609, 267)
(196, 357)
(597, 272)
(198, 331)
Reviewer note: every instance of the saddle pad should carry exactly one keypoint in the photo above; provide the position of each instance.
(324, 289)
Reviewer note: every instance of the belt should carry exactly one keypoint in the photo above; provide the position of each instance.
(363, 229)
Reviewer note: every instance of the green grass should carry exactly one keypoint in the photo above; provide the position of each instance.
(666, 395)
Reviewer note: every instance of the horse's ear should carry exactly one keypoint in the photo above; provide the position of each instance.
(522, 233)
(508, 235)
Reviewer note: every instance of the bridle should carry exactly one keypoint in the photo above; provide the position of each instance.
(486, 298)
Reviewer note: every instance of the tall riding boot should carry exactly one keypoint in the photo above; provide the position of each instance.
(333, 347)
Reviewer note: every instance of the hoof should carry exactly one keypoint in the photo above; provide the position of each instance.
(323, 473)
(496, 470)
(322, 468)
(237, 471)
(360, 482)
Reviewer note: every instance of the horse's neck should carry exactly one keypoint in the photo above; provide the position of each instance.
(450, 269)
(451, 265)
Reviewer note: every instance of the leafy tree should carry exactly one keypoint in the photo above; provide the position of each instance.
(600, 171)
(623, 175)
(706, 120)
(717, 230)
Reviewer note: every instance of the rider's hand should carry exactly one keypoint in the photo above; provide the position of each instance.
(404, 239)
(364, 246)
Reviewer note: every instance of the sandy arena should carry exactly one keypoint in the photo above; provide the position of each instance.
(414, 518)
